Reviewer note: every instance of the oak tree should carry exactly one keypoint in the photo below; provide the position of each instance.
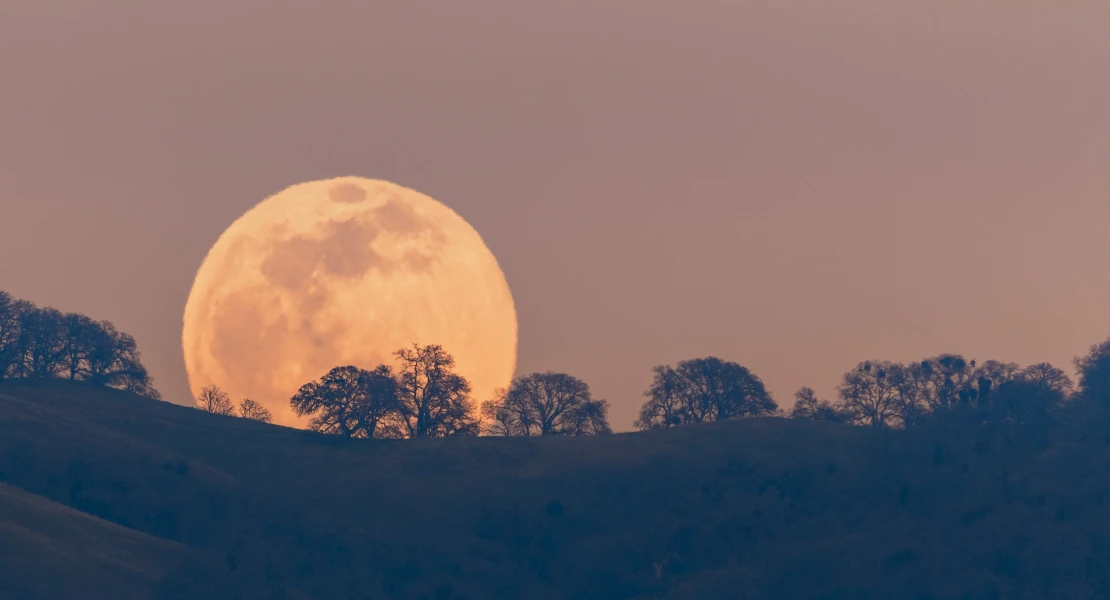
(547, 404)
(352, 402)
(703, 389)
(434, 401)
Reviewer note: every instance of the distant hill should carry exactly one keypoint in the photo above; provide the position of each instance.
(137, 498)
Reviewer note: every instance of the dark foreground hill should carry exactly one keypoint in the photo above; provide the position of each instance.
(109, 495)
(48, 550)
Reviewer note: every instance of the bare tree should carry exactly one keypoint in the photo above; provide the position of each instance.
(703, 389)
(1050, 376)
(434, 400)
(869, 393)
(214, 400)
(249, 409)
(547, 404)
(352, 403)
(496, 418)
(910, 389)
(591, 418)
(808, 406)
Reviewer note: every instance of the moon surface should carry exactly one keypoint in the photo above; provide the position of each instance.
(344, 272)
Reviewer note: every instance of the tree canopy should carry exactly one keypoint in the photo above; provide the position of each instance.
(352, 402)
(886, 394)
(424, 398)
(546, 404)
(434, 401)
(44, 343)
(808, 406)
(703, 389)
(1094, 373)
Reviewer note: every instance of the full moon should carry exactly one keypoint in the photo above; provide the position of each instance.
(344, 272)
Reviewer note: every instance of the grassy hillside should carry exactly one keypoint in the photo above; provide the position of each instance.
(52, 551)
(213, 506)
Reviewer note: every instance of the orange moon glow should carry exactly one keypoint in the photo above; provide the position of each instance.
(344, 272)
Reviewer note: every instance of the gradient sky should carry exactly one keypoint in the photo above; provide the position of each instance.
(796, 186)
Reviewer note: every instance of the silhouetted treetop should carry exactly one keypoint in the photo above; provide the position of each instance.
(352, 402)
(1022, 402)
(1049, 375)
(434, 400)
(886, 394)
(42, 343)
(1094, 373)
(426, 398)
(701, 390)
(249, 409)
(808, 406)
(11, 316)
(870, 392)
(216, 401)
(546, 404)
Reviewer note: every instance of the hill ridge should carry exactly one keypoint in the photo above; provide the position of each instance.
(763, 508)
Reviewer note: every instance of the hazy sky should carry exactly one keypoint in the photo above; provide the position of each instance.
(796, 186)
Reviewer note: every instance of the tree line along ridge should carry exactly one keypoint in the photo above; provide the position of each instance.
(424, 397)
(45, 343)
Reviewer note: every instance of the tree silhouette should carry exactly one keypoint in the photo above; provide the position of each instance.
(214, 400)
(987, 378)
(665, 407)
(547, 404)
(142, 385)
(352, 403)
(869, 393)
(434, 401)
(111, 354)
(943, 379)
(808, 406)
(910, 384)
(496, 418)
(997, 372)
(114, 360)
(1024, 403)
(1050, 376)
(700, 390)
(1094, 373)
(43, 343)
(75, 350)
(249, 409)
(886, 394)
(11, 316)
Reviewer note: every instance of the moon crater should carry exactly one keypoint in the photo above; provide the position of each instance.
(347, 193)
